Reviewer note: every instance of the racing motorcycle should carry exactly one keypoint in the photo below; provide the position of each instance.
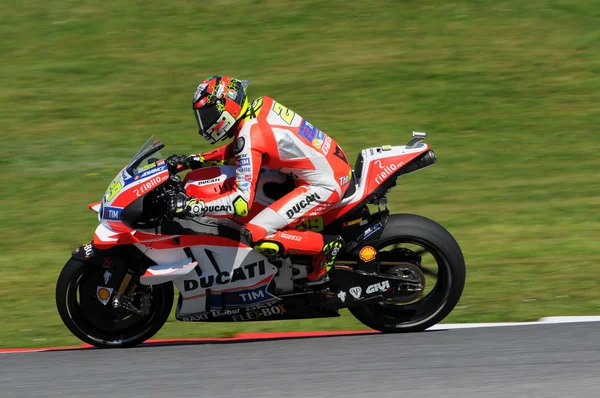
(396, 273)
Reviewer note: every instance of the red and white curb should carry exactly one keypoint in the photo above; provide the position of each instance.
(258, 336)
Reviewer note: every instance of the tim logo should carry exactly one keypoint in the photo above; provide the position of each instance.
(112, 213)
(239, 298)
(252, 297)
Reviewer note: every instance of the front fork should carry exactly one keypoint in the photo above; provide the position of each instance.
(125, 295)
(115, 260)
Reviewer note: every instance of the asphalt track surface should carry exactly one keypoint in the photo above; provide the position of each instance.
(547, 360)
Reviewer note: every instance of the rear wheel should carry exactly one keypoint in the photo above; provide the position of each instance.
(426, 249)
(85, 308)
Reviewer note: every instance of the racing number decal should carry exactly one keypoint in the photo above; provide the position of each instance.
(113, 189)
(283, 112)
(314, 224)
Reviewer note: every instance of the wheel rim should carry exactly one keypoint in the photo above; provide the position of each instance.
(101, 323)
(438, 281)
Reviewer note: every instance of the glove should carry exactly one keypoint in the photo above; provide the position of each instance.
(182, 206)
(195, 162)
(174, 161)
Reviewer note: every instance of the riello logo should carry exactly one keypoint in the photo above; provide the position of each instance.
(385, 173)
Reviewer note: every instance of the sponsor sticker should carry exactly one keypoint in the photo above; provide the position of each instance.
(307, 131)
(225, 277)
(89, 250)
(385, 172)
(218, 209)
(103, 294)
(306, 201)
(356, 292)
(326, 146)
(238, 298)
(367, 253)
(215, 180)
(107, 275)
(318, 141)
(340, 154)
(243, 161)
(378, 287)
(146, 186)
(353, 222)
(291, 237)
(244, 186)
(199, 91)
(261, 312)
(112, 213)
(371, 230)
(153, 171)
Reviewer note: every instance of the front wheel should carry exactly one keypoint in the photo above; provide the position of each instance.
(84, 306)
(428, 248)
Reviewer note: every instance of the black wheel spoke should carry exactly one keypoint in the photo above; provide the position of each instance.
(421, 251)
(428, 271)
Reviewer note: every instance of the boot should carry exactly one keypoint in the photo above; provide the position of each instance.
(323, 262)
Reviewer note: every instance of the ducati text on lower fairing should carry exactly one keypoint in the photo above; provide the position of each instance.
(225, 277)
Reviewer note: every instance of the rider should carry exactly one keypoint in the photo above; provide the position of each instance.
(267, 134)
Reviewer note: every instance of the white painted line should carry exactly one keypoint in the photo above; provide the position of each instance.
(570, 319)
(541, 321)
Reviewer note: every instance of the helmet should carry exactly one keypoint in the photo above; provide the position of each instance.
(219, 102)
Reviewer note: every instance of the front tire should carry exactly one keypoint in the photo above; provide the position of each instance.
(436, 303)
(99, 324)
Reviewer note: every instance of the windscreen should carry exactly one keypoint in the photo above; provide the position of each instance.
(146, 156)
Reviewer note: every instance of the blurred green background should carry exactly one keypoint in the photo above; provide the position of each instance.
(508, 91)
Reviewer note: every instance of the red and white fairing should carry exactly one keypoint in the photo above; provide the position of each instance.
(223, 272)
(378, 166)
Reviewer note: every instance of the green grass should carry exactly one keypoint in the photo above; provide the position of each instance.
(508, 91)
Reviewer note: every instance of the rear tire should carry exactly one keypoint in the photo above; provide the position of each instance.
(98, 324)
(437, 303)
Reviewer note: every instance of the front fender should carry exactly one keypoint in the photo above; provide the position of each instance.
(87, 253)
(90, 254)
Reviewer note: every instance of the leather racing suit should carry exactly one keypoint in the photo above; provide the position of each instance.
(276, 137)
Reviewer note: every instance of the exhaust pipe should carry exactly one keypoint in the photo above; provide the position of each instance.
(425, 160)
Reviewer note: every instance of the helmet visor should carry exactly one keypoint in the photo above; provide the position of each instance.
(206, 117)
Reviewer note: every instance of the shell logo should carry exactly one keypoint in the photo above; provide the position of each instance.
(103, 293)
(367, 254)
